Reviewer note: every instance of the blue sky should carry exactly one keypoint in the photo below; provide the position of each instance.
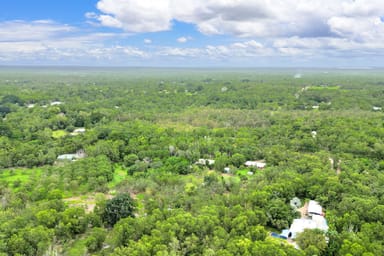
(193, 33)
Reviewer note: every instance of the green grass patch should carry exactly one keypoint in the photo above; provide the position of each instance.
(243, 172)
(119, 175)
(231, 178)
(325, 87)
(17, 177)
(78, 247)
(59, 133)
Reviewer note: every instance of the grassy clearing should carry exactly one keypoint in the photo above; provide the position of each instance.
(59, 133)
(78, 247)
(17, 177)
(324, 88)
(87, 201)
(119, 175)
(243, 172)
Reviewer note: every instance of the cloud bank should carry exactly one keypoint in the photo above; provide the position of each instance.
(255, 29)
(249, 18)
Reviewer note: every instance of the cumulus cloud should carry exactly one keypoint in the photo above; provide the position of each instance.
(256, 29)
(183, 39)
(362, 29)
(135, 16)
(248, 18)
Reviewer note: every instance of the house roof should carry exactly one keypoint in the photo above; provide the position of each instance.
(258, 164)
(298, 225)
(321, 222)
(67, 157)
(316, 220)
(206, 161)
(314, 208)
(82, 129)
(55, 103)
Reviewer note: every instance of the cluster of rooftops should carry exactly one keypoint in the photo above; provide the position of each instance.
(312, 217)
(260, 164)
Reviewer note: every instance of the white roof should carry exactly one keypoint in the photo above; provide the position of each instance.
(258, 164)
(67, 157)
(82, 129)
(317, 220)
(298, 226)
(321, 222)
(206, 161)
(314, 208)
(54, 103)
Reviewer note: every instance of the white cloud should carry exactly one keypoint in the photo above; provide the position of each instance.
(183, 39)
(239, 49)
(247, 49)
(361, 29)
(53, 41)
(135, 16)
(256, 28)
(180, 52)
(90, 15)
(243, 18)
(35, 30)
(110, 21)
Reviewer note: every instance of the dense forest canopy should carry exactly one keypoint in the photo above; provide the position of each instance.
(105, 161)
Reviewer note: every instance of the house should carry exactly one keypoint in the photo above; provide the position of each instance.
(258, 164)
(69, 157)
(321, 222)
(72, 157)
(314, 220)
(298, 226)
(314, 208)
(205, 161)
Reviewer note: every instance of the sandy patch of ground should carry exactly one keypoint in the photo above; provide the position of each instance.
(304, 211)
(88, 201)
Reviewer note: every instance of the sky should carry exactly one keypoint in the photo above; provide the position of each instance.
(193, 33)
